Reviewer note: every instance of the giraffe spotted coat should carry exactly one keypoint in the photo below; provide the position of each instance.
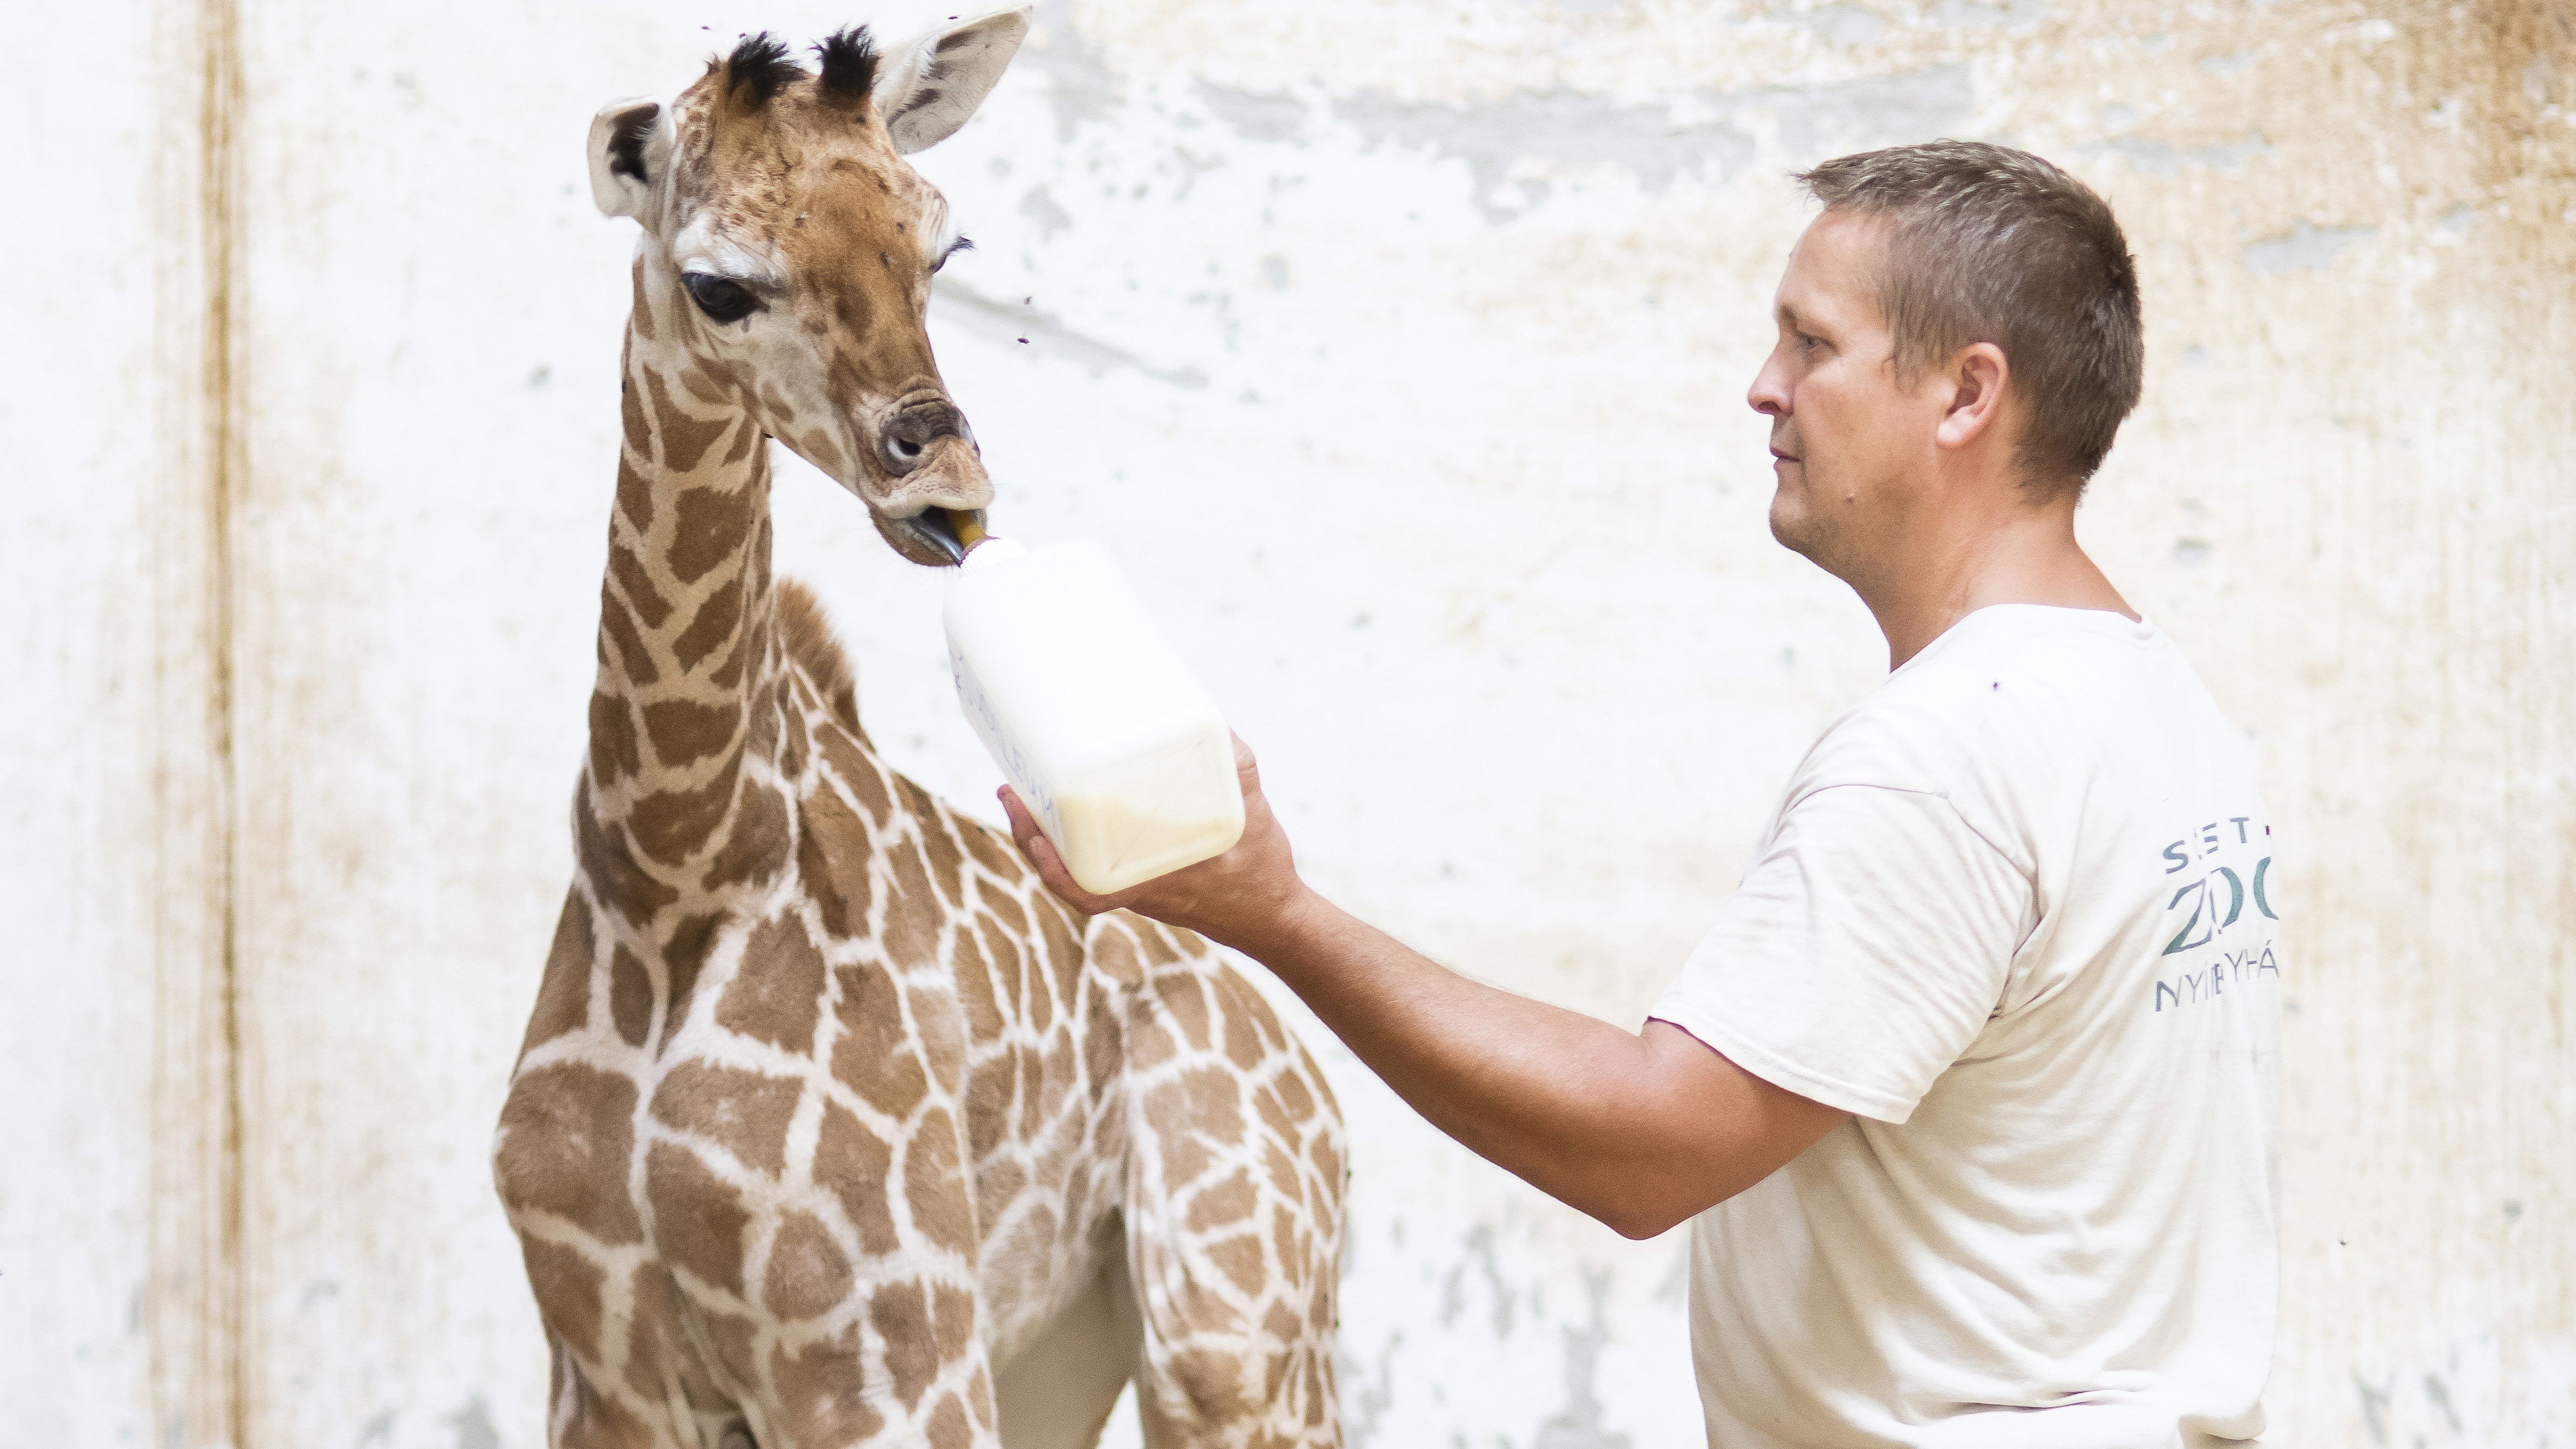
(831, 1127)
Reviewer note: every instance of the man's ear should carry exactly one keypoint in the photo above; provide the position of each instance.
(629, 146)
(1976, 380)
(929, 85)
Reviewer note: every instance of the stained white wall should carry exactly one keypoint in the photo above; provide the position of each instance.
(1399, 350)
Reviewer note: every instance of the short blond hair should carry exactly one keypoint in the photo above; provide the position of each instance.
(1995, 245)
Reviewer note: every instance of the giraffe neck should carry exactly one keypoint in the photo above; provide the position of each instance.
(681, 794)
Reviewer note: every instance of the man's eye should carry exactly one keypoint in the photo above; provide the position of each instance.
(962, 244)
(721, 298)
(1807, 343)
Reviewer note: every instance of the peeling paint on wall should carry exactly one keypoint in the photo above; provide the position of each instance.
(1400, 357)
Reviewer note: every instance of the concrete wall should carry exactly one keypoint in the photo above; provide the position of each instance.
(1400, 352)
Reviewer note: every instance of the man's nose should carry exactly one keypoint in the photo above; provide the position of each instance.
(1769, 394)
(911, 432)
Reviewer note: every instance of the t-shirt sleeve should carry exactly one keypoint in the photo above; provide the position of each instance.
(1864, 952)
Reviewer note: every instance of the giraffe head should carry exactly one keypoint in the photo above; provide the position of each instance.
(788, 248)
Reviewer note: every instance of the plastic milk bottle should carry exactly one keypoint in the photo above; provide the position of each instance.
(1097, 724)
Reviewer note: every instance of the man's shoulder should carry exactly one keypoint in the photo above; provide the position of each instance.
(2013, 693)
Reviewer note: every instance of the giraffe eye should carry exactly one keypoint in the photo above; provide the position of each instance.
(962, 244)
(721, 298)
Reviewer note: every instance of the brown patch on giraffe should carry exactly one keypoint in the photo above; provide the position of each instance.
(776, 995)
(1286, 1240)
(715, 623)
(621, 648)
(611, 868)
(711, 528)
(563, 993)
(935, 1019)
(872, 1057)
(1230, 1201)
(1212, 1383)
(856, 1165)
(914, 914)
(817, 1399)
(832, 857)
(1007, 953)
(684, 731)
(947, 861)
(634, 498)
(934, 1187)
(989, 1090)
(1185, 1010)
(1294, 1099)
(630, 996)
(1282, 1325)
(808, 1274)
(859, 773)
(685, 436)
(975, 991)
(999, 1182)
(1113, 950)
(792, 743)
(730, 1337)
(566, 1131)
(747, 1112)
(1057, 929)
(639, 310)
(669, 824)
(684, 955)
(1239, 1258)
(635, 583)
(1101, 1055)
(757, 844)
(637, 433)
(1164, 946)
(568, 1287)
(698, 1218)
(1239, 1020)
(614, 751)
(744, 441)
(1274, 1113)
(949, 1428)
(900, 1314)
(1007, 910)
(990, 848)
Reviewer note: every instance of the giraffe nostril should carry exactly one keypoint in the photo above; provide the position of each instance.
(909, 433)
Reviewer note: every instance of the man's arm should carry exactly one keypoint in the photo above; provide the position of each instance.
(1640, 1130)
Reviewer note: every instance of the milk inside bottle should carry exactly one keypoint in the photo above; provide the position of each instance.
(1094, 720)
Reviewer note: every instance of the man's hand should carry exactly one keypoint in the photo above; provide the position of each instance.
(1239, 898)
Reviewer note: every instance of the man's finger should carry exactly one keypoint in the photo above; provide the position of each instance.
(1041, 854)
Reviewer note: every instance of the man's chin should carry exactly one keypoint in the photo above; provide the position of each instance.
(1790, 524)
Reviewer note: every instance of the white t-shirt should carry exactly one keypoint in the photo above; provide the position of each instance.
(2016, 913)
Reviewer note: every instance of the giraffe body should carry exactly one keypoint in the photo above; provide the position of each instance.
(831, 1127)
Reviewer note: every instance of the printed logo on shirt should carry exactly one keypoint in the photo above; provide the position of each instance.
(2206, 907)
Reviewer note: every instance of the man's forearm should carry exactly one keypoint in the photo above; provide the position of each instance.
(1610, 1122)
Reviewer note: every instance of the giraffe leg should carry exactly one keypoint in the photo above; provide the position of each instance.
(1059, 1392)
(1234, 1222)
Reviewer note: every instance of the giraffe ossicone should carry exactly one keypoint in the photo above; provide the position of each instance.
(831, 1127)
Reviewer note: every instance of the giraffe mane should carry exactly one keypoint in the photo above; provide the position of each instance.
(806, 632)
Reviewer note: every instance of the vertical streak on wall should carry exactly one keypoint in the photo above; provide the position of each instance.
(195, 1319)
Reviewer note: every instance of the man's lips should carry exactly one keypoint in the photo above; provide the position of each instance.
(1784, 457)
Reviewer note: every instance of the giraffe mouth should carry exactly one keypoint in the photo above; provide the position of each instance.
(947, 531)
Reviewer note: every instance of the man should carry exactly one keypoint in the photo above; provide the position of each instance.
(1970, 1094)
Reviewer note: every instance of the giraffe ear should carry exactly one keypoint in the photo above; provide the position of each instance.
(928, 86)
(629, 146)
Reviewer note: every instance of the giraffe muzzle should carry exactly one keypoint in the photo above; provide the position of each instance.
(907, 437)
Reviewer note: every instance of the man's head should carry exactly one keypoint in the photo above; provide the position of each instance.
(1960, 312)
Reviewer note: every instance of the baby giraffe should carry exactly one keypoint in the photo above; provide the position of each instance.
(832, 1128)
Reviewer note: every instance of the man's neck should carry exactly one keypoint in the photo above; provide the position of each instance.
(2016, 554)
